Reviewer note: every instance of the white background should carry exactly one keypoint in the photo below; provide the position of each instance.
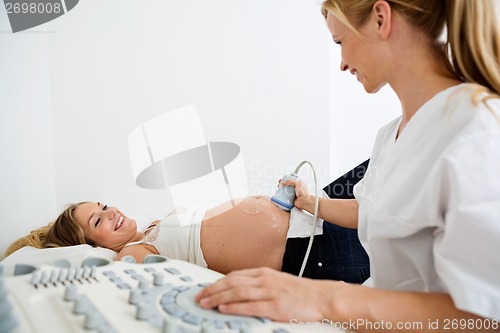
(263, 74)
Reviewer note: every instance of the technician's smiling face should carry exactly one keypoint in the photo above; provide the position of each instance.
(105, 226)
(358, 54)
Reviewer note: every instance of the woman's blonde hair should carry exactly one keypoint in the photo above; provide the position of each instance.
(64, 231)
(472, 47)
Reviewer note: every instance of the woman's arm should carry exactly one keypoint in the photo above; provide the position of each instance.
(284, 297)
(401, 311)
(342, 212)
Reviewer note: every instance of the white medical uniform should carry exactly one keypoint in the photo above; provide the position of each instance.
(429, 204)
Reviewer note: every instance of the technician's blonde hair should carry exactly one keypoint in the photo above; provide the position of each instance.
(472, 47)
(64, 231)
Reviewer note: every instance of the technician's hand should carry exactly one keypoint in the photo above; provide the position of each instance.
(264, 292)
(303, 199)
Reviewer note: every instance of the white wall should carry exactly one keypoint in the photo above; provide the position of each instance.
(251, 67)
(355, 117)
(74, 88)
(27, 180)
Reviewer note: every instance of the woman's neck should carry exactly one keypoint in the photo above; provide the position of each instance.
(416, 81)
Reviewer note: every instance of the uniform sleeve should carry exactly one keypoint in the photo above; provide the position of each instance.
(467, 248)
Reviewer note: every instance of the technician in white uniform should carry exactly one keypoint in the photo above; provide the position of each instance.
(428, 209)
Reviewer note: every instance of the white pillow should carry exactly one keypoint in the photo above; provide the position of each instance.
(74, 255)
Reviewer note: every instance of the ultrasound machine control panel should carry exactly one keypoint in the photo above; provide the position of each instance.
(115, 297)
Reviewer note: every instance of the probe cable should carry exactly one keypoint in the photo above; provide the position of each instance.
(315, 218)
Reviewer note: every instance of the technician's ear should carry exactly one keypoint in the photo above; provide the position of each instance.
(381, 14)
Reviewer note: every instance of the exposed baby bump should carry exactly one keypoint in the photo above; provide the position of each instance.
(251, 209)
(255, 204)
(254, 229)
(263, 207)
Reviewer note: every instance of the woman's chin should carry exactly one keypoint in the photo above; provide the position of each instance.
(372, 89)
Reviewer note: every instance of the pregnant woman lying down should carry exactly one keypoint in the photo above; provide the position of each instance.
(250, 233)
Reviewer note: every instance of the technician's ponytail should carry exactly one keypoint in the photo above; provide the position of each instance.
(474, 41)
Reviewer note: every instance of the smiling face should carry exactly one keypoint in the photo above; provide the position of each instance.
(360, 53)
(105, 226)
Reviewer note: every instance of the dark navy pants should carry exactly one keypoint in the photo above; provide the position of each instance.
(337, 254)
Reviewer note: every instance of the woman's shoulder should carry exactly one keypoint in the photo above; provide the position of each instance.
(480, 134)
(467, 110)
(472, 97)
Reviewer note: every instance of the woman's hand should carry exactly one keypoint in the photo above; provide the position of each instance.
(264, 292)
(343, 212)
(303, 199)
